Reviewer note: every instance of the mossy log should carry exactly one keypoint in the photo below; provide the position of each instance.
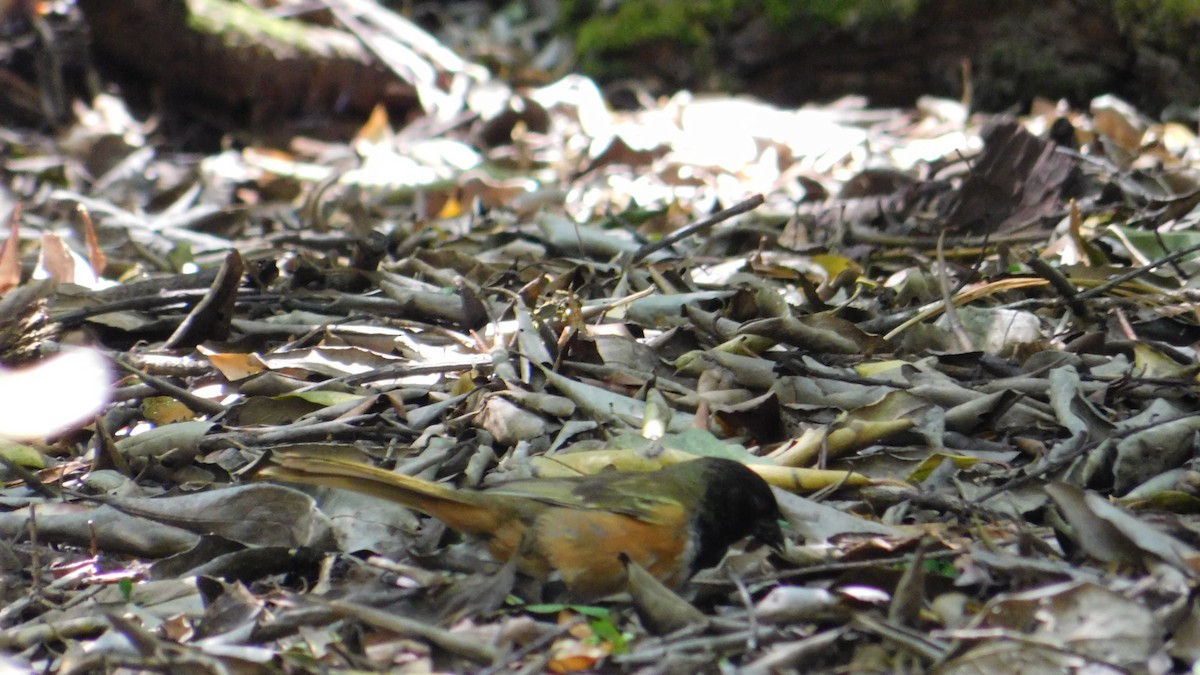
(231, 54)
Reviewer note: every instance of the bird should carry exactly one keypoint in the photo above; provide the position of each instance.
(673, 522)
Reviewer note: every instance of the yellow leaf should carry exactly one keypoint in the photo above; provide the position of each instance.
(166, 410)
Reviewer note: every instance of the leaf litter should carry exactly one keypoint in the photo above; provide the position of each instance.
(963, 345)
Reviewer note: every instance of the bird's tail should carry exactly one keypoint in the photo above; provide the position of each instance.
(459, 509)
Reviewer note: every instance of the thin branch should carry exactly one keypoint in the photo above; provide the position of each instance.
(697, 227)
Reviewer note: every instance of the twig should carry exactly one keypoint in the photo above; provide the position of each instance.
(707, 643)
(920, 643)
(474, 650)
(751, 615)
(789, 656)
(1062, 462)
(35, 560)
(31, 480)
(534, 645)
(1061, 284)
(1135, 273)
(865, 236)
(142, 303)
(22, 637)
(1159, 238)
(683, 233)
(292, 433)
(1046, 468)
(837, 567)
(955, 505)
(201, 405)
(956, 326)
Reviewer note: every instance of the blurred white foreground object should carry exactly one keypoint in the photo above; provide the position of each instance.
(53, 396)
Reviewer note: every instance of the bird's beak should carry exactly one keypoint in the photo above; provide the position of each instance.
(769, 533)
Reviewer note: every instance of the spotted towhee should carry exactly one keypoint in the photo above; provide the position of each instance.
(673, 521)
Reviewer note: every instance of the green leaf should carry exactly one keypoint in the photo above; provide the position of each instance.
(322, 397)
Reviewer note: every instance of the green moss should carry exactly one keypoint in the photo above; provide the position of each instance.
(696, 24)
(827, 14)
(684, 42)
(1172, 25)
(637, 22)
(692, 23)
(1156, 14)
(611, 42)
(243, 25)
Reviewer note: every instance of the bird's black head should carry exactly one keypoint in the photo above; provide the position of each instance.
(736, 503)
